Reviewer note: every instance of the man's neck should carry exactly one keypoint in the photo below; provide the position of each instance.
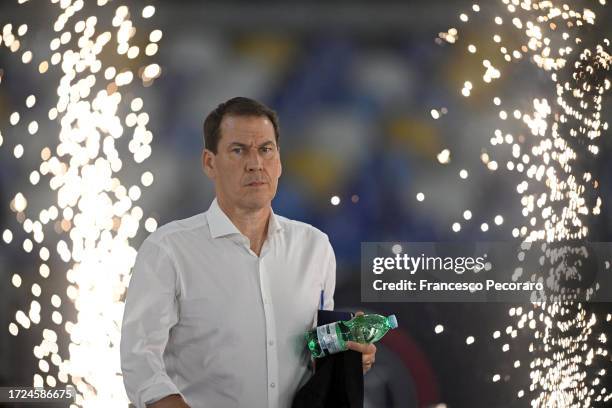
(251, 223)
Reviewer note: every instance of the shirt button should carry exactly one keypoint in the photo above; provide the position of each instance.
(271, 342)
(272, 385)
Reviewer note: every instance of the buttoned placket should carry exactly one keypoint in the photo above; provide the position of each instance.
(268, 308)
(271, 354)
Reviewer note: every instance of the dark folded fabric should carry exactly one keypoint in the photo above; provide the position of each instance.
(338, 378)
(337, 383)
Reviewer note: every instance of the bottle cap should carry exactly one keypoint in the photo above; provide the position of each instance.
(392, 321)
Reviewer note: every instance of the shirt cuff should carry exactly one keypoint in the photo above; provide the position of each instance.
(154, 392)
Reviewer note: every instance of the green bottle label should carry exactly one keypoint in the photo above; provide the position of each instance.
(328, 339)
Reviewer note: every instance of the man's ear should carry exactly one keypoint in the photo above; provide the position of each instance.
(208, 163)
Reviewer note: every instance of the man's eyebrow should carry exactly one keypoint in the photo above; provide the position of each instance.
(238, 144)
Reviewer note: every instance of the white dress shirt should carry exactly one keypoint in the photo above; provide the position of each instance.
(206, 318)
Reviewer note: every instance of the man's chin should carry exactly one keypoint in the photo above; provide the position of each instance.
(257, 201)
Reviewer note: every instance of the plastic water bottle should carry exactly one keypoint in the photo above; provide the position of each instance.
(331, 338)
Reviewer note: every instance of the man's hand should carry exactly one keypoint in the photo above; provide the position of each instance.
(368, 351)
(171, 401)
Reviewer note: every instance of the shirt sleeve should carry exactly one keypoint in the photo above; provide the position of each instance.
(150, 312)
(329, 278)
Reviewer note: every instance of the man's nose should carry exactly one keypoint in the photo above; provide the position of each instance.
(254, 160)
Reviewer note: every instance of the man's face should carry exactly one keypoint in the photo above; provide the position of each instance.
(247, 166)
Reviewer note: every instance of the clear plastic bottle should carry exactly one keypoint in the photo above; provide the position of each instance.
(331, 338)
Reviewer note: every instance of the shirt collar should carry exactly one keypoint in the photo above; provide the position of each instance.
(220, 225)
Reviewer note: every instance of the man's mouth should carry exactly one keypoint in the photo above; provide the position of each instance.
(255, 184)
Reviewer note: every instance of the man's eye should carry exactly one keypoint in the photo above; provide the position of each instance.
(237, 150)
(266, 149)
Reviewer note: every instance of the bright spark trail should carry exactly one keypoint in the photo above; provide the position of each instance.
(553, 141)
(99, 56)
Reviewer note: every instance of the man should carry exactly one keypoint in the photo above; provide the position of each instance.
(218, 303)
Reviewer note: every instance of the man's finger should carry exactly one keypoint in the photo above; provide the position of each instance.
(359, 313)
(371, 349)
(361, 348)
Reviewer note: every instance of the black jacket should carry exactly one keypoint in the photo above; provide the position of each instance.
(338, 378)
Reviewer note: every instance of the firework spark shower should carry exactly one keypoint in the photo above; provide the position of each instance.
(554, 147)
(99, 56)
